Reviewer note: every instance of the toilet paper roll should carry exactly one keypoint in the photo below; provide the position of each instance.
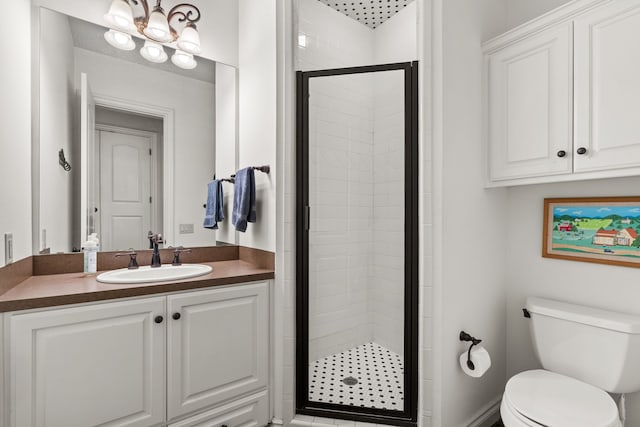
(481, 362)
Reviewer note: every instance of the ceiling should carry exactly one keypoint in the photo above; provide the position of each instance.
(371, 13)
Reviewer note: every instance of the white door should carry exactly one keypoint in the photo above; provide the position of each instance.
(530, 106)
(98, 365)
(125, 190)
(87, 156)
(607, 87)
(218, 347)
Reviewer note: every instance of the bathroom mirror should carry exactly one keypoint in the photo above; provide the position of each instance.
(140, 139)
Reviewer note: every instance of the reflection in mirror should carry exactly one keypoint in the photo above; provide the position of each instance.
(141, 139)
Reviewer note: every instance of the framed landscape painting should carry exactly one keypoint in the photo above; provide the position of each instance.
(593, 229)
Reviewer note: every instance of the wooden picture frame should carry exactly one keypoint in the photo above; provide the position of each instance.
(604, 230)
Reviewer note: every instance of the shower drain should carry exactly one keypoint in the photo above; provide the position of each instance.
(350, 381)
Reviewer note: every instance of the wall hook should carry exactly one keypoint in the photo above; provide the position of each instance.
(474, 341)
(62, 161)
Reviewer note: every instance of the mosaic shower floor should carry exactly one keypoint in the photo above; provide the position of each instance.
(378, 371)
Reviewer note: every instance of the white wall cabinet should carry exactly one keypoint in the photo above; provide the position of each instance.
(564, 95)
(197, 358)
(530, 106)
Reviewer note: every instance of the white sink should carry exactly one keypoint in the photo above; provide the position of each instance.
(156, 274)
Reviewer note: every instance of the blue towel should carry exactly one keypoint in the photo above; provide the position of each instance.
(244, 199)
(215, 208)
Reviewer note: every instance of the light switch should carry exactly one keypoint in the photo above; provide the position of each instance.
(8, 248)
(186, 228)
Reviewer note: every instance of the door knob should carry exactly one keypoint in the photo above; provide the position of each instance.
(581, 150)
(562, 153)
(158, 319)
(176, 316)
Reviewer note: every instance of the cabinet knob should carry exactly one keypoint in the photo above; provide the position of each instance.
(158, 319)
(581, 150)
(176, 316)
(562, 153)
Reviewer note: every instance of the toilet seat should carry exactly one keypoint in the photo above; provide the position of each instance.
(544, 398)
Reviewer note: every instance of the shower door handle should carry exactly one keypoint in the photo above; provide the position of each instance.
(307, 218)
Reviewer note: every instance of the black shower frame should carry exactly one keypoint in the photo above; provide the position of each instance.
(408, 416)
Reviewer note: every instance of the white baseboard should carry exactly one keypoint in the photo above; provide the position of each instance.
(487, 415)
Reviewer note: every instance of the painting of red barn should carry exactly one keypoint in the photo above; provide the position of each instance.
(593, 229)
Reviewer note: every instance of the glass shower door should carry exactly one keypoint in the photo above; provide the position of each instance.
(357, 213)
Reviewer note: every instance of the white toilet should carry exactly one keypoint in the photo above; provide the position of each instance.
(585, 352)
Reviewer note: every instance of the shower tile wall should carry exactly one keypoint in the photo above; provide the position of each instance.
(386, 293)
(341, 144)
(329, 39)
(341, 200)
(356, 154)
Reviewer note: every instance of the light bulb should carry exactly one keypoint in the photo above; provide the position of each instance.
(189, 40)
(158, 28)
(153, 52)
(119, 40)
(183, 60)
(120, 15)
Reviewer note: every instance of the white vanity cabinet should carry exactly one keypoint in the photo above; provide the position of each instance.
(563, 95)
(194, 358)
(218, 344)
(101, 364)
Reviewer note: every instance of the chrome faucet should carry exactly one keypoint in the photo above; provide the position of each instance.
(154, 241)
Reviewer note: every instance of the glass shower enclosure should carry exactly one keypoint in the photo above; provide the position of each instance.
(357, 243)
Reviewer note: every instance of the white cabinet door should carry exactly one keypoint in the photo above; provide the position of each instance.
(218, 347)
(101, 364)
(252, 411)
(607, 87)
(530, 106)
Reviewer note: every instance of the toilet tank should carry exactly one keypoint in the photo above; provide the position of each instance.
(596, 346)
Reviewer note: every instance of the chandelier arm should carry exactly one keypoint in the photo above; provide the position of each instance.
(186, 15)
(145, 6)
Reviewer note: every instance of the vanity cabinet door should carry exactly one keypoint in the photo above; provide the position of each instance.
(530, 106)
(607, 87)
(218, 346)
(92, 365)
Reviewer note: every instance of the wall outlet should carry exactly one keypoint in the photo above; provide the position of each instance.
(8, 248)
(186, 228)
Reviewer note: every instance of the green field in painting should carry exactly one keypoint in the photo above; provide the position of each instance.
(593, 224)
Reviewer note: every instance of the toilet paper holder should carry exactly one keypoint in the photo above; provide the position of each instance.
(474, 341)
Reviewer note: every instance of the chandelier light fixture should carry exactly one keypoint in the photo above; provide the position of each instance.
(156, 29)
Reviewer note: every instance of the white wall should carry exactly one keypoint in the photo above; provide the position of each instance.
(257, 113)
(57, 100)
(217, 26)
(193, 104)
(528, 274)
(469, 238)
(520, 11)
(15, 130)
(396, 40)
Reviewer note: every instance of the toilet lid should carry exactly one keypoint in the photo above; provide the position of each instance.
(554, 400)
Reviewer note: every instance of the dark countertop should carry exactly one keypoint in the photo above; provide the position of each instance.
(48, 290)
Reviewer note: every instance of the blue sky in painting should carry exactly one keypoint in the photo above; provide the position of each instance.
(597, 211)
